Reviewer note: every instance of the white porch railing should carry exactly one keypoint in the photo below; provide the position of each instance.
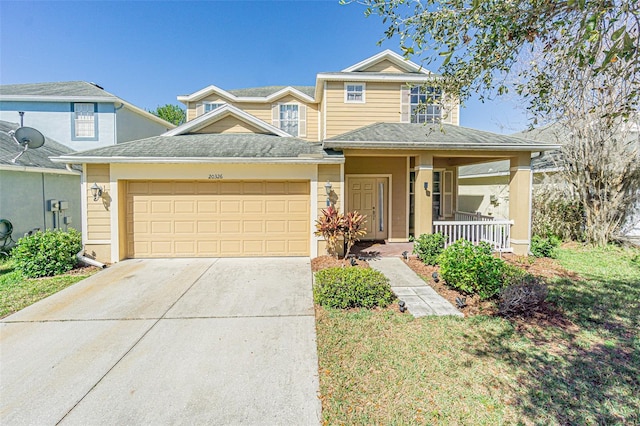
(495, 232)
(466, 216)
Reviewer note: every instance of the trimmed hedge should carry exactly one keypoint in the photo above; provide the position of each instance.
(47, 253)
(428, 247)
(352, 287)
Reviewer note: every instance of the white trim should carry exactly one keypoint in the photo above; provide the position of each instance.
(220, 113)
(391, 56)
(363, 91)
(422, 167)
(389, 194)
(400, 78)
(398, 240)
(517, 168)
(209, 90)
(33, 169)
(527, 242)
(324, 111)
(483, 175)
(313, 238)
(206, 160)
(344, 144)
(114, 217)
(318, 126)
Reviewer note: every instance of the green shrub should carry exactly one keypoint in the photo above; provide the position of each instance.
(47, 253)
(352, 288)
(556, 213)
(472, 269)
(428, 247)
(544, 247)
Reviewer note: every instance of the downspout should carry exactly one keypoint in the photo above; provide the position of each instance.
(80, 256)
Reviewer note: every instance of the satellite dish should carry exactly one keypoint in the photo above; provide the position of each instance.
(27, 137)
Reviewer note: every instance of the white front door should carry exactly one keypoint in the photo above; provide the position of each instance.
(368, 196)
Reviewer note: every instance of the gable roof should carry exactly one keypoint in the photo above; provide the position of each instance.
(38, 158)
(437, 136)
(222, 112)
(208, 148)
(391, 56)
(258, 94)
(70, 91)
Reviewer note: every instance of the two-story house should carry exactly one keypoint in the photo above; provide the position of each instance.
(78, 114)
(250, 171)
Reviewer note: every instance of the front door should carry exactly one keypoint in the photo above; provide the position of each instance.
(368, 196)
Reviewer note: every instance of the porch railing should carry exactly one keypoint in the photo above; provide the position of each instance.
(467, 216)
(495, 232)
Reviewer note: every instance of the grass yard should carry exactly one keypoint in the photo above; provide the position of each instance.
(17, 292)
(383, 367)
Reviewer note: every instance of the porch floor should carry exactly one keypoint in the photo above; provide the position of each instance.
(376, 249)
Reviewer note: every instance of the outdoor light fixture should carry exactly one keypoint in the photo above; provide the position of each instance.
(426, 186)
(96, 191)
(405, 255)
(327, 188)
(402, 306)
(435, 277)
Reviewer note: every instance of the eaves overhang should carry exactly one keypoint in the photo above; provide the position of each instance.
(341, 145)
(335, 159)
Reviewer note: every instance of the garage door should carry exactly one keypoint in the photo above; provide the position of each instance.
(217, 218)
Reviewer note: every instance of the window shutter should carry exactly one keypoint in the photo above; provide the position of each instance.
(447, 191)
(275, 115)
(199, 109)
(302, 121)
(405, 103)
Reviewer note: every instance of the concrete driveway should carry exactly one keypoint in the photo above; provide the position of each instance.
(167, 341)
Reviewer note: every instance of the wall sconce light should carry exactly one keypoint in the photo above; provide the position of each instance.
(327, 188)
(96, 191)
(426, 186)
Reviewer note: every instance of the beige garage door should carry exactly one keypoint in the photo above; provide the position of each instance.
(217, 218)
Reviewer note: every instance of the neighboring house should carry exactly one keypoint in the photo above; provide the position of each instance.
(28, 185)
(251, 170)
(78, 114)
(484, 188)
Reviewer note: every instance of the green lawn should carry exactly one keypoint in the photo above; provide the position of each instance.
(17, 292)
(382, 367)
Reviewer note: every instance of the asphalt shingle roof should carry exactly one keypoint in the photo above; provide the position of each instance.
(64, 88)
(9, 149)
(265, 91)
(224, 145)
(413, 135)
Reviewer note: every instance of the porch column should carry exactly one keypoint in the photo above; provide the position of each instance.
(520, 202)
(423, 200)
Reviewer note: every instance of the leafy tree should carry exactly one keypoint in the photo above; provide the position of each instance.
(171, 113)
(482, 42)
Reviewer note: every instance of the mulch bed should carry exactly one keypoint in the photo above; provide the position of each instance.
(547, 315)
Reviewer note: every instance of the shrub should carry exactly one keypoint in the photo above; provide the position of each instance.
(47, 253)
(330, 226)
(428, 247)
(472, 269)
(352, 229)
(352, 288)
(556, 213)
(522, 298)
(544, 246)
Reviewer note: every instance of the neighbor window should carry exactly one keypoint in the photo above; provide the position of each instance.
(425, 104)
(210, 106)
(84, 120)
(354, 93)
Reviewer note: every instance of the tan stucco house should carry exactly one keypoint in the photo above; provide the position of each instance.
(248, 173)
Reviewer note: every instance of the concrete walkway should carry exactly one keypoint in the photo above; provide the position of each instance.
(167, 341)
(420, 298)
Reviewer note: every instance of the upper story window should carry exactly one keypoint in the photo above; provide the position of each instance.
(210, 106)
(354, 93)
(425, 104)
(84, 120)
(292, 118)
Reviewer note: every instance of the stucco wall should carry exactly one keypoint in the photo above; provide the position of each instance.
(132, 126)
(54, 120)
(24, 195)
(475, 195)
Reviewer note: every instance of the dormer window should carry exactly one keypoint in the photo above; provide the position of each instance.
(354, 93)
(210, 106)
(290, 117)
(425, 104)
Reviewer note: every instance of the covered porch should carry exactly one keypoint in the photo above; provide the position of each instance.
(410, 187)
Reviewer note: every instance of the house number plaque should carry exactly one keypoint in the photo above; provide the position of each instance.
(215, 176)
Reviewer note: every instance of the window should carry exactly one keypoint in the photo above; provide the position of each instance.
(425, 106)
(210, 106)
(292, 118)
(84, 120)
(354, 93)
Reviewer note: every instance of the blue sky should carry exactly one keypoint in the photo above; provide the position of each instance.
(150, 52)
